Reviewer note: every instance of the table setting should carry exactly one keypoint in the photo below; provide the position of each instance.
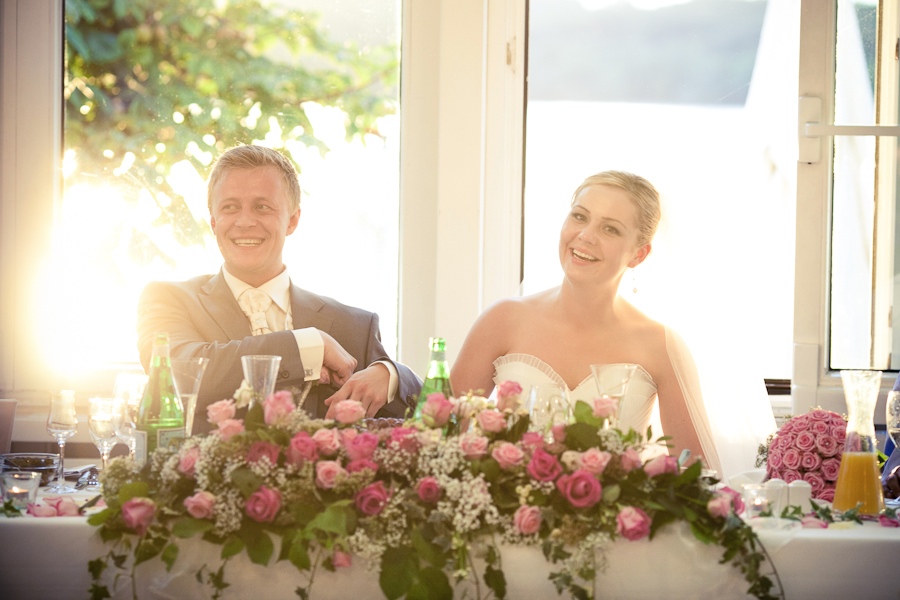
(511, 507)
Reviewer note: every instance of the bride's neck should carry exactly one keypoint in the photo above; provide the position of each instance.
(588, 304)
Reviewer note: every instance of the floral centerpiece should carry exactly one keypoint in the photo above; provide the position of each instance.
(414, 500)
(809, 447)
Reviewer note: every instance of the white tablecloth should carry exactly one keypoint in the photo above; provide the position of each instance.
(43, 558)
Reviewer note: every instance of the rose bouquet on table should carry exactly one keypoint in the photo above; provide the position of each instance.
(809, 447)
(409, 499)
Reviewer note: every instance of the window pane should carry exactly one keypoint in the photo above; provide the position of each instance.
(154, 91)
(701, 99)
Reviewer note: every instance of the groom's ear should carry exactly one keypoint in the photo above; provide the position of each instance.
(640, 255)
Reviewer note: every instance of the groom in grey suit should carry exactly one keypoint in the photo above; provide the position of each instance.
(254, 203)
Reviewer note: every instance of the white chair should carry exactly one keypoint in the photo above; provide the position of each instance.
(7, 418)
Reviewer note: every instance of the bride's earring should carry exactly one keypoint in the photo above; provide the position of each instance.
(634, 280)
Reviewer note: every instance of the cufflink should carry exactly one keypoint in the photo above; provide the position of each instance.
(307, 372)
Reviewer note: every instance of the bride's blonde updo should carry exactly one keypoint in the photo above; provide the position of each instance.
(639, 190)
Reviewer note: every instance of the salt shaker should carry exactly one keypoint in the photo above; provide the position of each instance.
(778, 495)
(800, 494)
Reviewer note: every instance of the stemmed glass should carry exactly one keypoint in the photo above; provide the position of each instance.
(548, 405)
(61, 424)
(129, 389)
(892, 416)
(188, 373)
(103, 432)
(612, 382)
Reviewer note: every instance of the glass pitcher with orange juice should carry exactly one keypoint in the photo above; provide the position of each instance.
(859, 481)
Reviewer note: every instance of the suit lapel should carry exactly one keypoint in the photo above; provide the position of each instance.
(219, 302)
(306, 310)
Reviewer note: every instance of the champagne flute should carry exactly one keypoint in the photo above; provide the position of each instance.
(548, 405)
(129, 389)
(61, 424)
(103, 432)
(612, 382)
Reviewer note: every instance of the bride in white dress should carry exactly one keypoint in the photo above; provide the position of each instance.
(557, 334)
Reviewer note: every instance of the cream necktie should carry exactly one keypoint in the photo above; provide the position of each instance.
(255, 303)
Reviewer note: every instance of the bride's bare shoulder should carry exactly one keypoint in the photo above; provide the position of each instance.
(518, 308)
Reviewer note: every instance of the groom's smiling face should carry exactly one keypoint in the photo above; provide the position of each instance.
(251, 217)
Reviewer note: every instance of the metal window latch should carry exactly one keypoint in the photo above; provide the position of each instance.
(812, 129)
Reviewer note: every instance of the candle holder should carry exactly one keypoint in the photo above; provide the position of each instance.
(20, 487)
(757, 499)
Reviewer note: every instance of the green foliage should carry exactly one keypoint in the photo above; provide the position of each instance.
(182, 80)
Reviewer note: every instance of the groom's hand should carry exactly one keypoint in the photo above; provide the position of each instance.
(337, 364)
(369, 386)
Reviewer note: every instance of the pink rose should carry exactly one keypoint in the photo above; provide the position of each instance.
(492, 420)
(263, 504)
(660, 465)
(818, 414)
(774, 459)
(532, 440)
(826, 445)
(302, 448)
(527, 520)
(630, 459)
(200, 505)
(328, 441)
(815, 481)
(429, 490)
(372, 499)
(737, 500)
(830, 468)
(230, 427)
(719, 505)
(349, 411)
(791, 458)
(327, 472)
(507, 455)
(473, 445)
(604, 407)
(277, 406)
(817, 428)
(437, 410)
(805, 441)
(259, 450)
(405, 438)
(632, 523)
(886, 521)
(827, 494)
(354, 466)
(138, 514)
(810, 460)
(790, 475)
(558, 432)
(839, 433)
(362, 446)
(594, 460)
(581, 488)
(188, 460)
(543, 466)
(220, 411)
(811, 522)
(508, 395)
(341, 560)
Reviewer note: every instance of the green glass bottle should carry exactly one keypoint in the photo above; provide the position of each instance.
(160, 420)
(438, 377)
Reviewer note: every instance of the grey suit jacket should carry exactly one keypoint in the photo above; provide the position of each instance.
(203, 318)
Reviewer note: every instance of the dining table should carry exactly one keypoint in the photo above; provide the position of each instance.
(47, 557)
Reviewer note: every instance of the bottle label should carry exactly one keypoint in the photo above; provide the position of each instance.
(140, 448)
(169, 437)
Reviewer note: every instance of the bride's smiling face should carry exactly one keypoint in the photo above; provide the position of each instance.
(599, 237)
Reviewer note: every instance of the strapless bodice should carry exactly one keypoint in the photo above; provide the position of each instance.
(635, 409)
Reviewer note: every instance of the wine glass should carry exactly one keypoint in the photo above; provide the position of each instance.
(612, 382)
(129, 389)
(187, 373)
(61, 424)
(103, 432)
(548, 405)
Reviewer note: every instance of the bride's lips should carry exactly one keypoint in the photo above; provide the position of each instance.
(583, 256)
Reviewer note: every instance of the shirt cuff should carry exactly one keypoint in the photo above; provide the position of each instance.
(393, 382)
(312, 352)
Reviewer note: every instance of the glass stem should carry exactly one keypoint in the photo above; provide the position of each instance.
(104, 457)
(61, 469)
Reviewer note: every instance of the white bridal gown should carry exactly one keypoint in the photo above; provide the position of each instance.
(638, 408)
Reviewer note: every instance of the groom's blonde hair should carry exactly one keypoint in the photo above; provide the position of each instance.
(641, 193)
(250, 157)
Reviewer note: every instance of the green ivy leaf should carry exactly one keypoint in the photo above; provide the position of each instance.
(169, 554)
(581, 436)
(246, 481)
(232, 546)
(494, 579)
(133, 489)
(186, 527)
(334, 519)
(435, 583)
(397, 571)
(299, 553)
(259, 545)
(584, 413)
